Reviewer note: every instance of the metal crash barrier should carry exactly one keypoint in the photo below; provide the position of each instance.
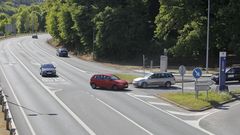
(7, 114)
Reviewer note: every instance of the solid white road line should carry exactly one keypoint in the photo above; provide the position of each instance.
(55, 97)
(158, 103)
(188, 114)
(198, 127)
(21, 109)
(125, 117)
(144, 96)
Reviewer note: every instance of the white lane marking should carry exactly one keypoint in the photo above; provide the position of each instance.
(144, 96)
(198, 127)
(125, 117)
(158, 103)
(35, 63)
(189, 114)
(193, 122)
(61, 60)
(55, 97)
(52, 80)
(24, 115)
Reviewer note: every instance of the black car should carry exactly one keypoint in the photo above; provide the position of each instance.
(47, 70)
(35, 36)
(232, 74)
(62, 52)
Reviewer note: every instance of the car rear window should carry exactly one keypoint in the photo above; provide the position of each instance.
(48, 66)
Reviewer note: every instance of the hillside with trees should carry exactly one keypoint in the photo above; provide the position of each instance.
(127, 29)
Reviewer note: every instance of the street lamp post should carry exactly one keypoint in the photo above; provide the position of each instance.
(93, 44)
(207, 49)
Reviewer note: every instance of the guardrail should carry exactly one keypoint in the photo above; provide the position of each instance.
(10, 125)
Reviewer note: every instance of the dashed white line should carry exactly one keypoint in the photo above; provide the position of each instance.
(196, 126)
(125, 117)
(24, 115)
(61, 60)
(55, 97)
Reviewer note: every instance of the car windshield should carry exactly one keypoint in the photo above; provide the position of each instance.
(148, 75)
(48, 66)
(115, 78)
(63, 49)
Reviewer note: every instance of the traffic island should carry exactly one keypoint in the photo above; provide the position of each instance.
(189, 102)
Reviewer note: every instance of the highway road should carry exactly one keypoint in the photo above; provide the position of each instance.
(67, 105)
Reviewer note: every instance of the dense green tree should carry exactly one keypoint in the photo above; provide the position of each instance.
(52, 23)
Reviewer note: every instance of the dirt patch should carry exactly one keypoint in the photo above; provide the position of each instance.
(3, 130)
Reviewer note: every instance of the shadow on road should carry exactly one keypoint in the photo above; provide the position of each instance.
(121, 90)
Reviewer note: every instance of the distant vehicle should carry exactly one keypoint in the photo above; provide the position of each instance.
(62, 52)
(155, 79)
(35, 36)
(232, 74)
(47, 70)
(107, 81)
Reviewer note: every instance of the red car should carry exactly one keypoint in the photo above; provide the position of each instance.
(108, 81)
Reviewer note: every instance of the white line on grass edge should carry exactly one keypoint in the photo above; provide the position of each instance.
(198, 127)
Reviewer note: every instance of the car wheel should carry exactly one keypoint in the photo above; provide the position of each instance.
(114, 87)
(168, 84)
(93, 86)
(144, 85)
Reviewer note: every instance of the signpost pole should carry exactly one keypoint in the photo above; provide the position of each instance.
(182, 83)
(182, 71)
(222, 69)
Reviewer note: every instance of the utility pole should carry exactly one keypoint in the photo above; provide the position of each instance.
(207, 49)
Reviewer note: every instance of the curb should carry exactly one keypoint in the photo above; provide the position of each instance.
(201, 110)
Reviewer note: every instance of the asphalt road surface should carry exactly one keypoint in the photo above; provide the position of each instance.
(67, 105)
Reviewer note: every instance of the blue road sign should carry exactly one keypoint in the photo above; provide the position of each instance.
(197, 73)
(222, 67)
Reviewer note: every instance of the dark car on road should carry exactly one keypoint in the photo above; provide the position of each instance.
(47, 70)
(35, 36)
(62, 52)
(107, 81)
(232, 74)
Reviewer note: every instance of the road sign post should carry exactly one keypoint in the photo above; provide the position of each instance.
(222, 70)
(197, 73)
(182, 71)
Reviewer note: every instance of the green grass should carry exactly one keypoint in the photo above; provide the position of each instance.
(127, 77)
(188, 100)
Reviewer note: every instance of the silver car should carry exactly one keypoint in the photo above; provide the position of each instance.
(155, 79)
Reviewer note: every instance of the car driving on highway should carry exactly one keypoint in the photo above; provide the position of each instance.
(108, 81)
(47, 70)
(155, 79)
(232, 74)
(35, 36)
(62, 52)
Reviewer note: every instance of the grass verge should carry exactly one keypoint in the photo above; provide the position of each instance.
(127, 77)
(188, 100)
